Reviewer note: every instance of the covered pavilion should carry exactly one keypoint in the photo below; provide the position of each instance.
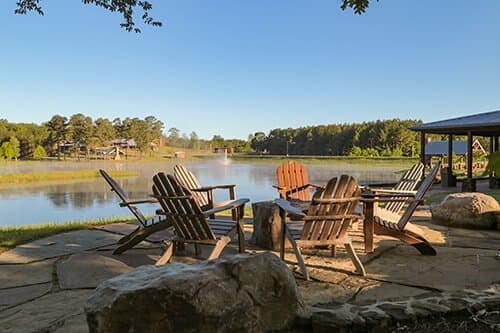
(482, 124)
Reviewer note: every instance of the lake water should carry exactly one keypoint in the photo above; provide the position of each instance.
(90, 199)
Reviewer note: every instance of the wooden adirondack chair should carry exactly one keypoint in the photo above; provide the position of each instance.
(202, 194)
(326, 223)
(384, 222)
(407, 184)
(146, 226)
(190, 222)
(293, 182)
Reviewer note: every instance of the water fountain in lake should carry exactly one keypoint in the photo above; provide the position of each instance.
(226, 161)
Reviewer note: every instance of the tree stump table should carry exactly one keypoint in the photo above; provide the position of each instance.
(267, 224)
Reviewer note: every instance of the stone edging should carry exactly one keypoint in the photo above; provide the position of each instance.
(386, 314)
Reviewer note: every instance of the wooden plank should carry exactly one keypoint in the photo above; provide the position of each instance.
(189, 180)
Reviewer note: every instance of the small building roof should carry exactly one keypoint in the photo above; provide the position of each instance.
(482, 124)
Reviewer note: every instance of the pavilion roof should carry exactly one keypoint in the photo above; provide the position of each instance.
(482, 124)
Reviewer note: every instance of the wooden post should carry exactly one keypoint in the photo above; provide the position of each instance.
(450, 154)
(492, 150)
(368, 223)
(469, 155)
(422, 148)
(495, 140)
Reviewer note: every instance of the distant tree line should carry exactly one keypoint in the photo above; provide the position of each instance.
(27, 140)
(374, 138)
(192, 141)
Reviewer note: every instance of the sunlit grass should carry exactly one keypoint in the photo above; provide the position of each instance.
(59, 175)
(11, 237)
(379, 161)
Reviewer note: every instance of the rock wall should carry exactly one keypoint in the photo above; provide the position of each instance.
(384, 316)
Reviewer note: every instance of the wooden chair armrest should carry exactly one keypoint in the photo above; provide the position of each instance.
(371, 195)
(332, 217)
(166, 197)
(388, 199)
(287, 206)
(336, 200)
(232, 205)
(300, 188)
(214, 187)
(391, 191)
(279, 187)
(225, 186)
(136, 202)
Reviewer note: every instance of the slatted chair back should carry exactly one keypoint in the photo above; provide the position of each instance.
(182, 209)
(331, 211)
(422, 190)
(187, 179)
(408, 182)
(292, 175)
(124, 197)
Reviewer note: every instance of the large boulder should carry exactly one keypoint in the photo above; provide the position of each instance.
(467, 210)
(243, 293)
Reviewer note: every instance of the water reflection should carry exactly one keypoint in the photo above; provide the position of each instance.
(81, 200)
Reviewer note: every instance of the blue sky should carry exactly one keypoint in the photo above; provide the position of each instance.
(236, 67)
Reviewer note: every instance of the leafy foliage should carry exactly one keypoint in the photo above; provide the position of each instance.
(358, 6)
(493, 163)
(376, 138)
(126, 8)
(39, 153)
(36, 141)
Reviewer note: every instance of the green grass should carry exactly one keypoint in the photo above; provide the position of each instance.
(11, 237)
(47, 176)
(387, 161)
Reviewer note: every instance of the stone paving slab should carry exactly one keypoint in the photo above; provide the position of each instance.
(471, 233)
(315, 293)
(136, 256)
(14, 296)
(58, 245)
(474, 242)
(87, 270)
(77, 324)
(378, 291)
(22, 275)
(450, 269)
(44, 314)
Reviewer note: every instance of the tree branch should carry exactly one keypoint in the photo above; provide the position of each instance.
(125, 7)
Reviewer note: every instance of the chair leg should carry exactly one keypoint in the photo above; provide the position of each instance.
(425, 248)
(166, 255)
(141, 235)
(241, 236)
(126, 238)
(282, 234)
(298, 254)
(334, 251)
(355, 259)
(219, 246)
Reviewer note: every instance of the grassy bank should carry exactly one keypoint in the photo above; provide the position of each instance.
(388, 161)
(11, 237)
(47, 176)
